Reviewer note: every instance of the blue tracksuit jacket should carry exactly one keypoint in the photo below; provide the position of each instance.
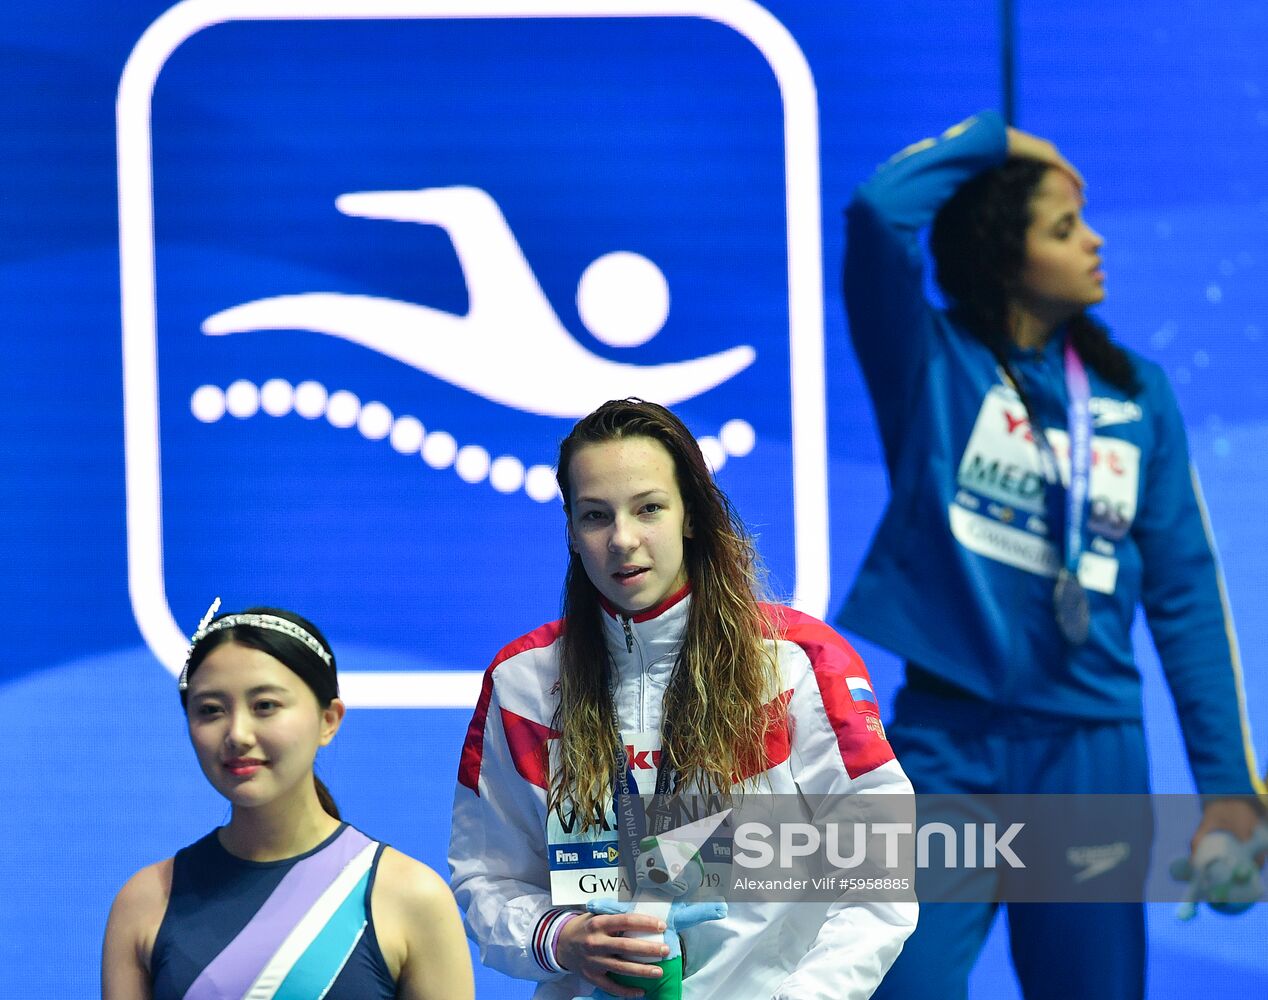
(960, 573)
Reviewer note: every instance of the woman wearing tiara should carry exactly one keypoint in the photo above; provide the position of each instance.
(1041, 491)
(286, 900)
(664, 661)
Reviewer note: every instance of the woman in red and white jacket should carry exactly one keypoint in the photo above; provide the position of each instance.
(662, 634)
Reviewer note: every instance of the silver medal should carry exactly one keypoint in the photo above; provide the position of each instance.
(1069, 601)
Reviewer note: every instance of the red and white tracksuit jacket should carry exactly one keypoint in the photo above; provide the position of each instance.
(785, 950)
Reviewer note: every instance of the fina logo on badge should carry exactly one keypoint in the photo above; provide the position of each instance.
(509, 328)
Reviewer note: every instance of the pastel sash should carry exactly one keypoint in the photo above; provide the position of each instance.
(299, 940)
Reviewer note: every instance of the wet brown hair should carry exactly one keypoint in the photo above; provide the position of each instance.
(725, 674)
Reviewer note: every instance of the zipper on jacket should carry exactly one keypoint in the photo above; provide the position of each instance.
(629, 634)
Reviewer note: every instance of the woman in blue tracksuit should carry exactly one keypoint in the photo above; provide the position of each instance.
(1010, 597)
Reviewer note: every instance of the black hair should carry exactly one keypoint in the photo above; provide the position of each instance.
(978, 243)
(321, 677)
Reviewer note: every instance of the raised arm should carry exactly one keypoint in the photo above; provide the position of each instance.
(890, 319)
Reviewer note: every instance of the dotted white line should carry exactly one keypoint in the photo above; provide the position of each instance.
(208, 403)
(277, 398)
(439, 449)
(242, 399)
(375, 421)
(714, 453)
(310, 400)
(540, 483)
(342, 409)
(738, 437)
(506, 474)
(407, 435)
(472, 463)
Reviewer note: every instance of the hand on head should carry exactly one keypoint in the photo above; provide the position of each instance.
(1024, 144)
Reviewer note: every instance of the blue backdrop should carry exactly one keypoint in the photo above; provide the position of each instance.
(368, 269)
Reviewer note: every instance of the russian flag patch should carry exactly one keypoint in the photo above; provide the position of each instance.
(862, 695)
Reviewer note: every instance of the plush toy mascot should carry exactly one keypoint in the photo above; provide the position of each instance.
(669, 868)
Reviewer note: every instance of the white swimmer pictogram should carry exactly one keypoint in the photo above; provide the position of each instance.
(510, 347)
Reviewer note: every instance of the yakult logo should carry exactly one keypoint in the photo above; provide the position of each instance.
(1001, 509)
(642, 760)
(361, 306)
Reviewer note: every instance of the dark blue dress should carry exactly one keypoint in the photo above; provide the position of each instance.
(296, 929)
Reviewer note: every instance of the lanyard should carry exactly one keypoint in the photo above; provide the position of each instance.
(631, 820)
(1070, 603)
(1079, 421)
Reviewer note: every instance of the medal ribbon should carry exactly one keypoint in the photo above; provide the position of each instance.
(631, 821)
(1079, 421)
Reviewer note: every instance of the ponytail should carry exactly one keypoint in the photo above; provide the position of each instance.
(326, 799)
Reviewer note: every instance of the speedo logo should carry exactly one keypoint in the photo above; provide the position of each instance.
(1109, 412)
(1098, 859)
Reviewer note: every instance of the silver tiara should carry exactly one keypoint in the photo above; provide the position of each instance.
(271, 622)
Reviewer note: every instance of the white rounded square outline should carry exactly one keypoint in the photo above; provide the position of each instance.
(452, 689)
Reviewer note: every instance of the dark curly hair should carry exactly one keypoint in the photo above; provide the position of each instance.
(978, 242)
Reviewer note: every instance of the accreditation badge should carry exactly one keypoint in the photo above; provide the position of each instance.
(585, 863)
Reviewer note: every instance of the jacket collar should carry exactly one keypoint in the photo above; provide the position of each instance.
(651, 639)
(1052, 350)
